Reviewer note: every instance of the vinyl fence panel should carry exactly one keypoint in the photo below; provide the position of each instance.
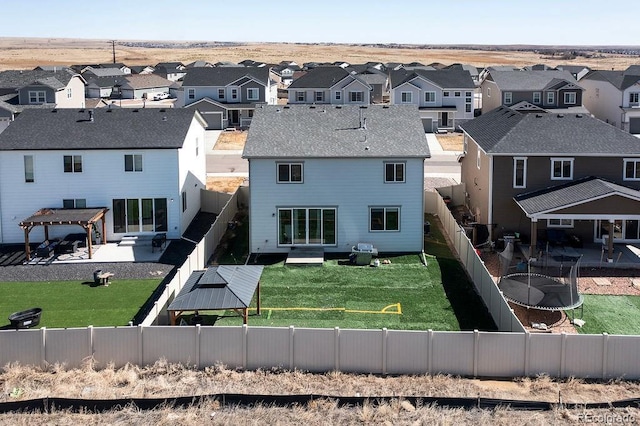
(622, 356)
(267, 347)
(223, 345)
(501, 353)
(174, 344)
(453, 353)
(314, 349)
(116, 345)
(407, 352)
(68, 346)
(361, 351)
(23, 346)
(545, 354)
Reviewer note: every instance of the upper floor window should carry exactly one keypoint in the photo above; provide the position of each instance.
(184, 201)
(191, 93)
(467, 94)
(234, 93)
(220, 93)
(300, 96)
(384, 219)
(37, 97)
(570, 98)
(289, 172)
(632, 169)
(519, 172)
(338, 95)
(508, 97)
(445, 94)
(561, 168)
(467, 108)
(69, 93)
(252, 94)
(537, 97)
(394, 172)
(488, 92)
(456, 94)
(356, 96)
(429, 97)
(406, 97)
(133, 162)
(633, 98)
(73, 163)
(551, 98)
(28, 169)
(319, 96)
(478, 162)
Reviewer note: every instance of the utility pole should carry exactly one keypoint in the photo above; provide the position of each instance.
(113, 47)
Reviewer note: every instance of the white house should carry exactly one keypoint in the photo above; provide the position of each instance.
(332, 176)
(329, 85)
(445, 97)
(147, 166)
(614, 97)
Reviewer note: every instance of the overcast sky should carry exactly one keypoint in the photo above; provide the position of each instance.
(547, 22)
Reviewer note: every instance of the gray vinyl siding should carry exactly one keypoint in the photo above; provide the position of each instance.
(254, 85)
(349, 185)
(24, 94)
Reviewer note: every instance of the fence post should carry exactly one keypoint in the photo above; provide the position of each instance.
(43, 347)
(605, 350)
(90, 331)
(291, 332)
(140, 346)
(563, 350)
(429, 351)
(197, 331)
(245, 331)
(336, 345)
(385, 334)
(527, 349)
(476, 350)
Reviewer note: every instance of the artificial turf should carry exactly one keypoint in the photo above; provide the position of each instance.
(610, 314)
(77, 303)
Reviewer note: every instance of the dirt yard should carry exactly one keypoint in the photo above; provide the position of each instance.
(224, 184)
(231, 140)
(451, 141)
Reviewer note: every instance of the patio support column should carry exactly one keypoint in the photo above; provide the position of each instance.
(104, 229)
(46, 232)
(245, 315)
(89, 247)
(27, 249)
(533, 252)
(172, 317)
(610, 241)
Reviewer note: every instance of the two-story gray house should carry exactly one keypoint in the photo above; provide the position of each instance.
(332, 176)
(530, 172)
(443, 96)
(545, 89)
(329, 85)
(227, 96)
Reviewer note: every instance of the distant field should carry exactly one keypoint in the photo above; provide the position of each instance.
(26, 53)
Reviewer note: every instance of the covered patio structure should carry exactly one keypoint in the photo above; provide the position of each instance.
(219, 288)
(591, 208)
(87, 218)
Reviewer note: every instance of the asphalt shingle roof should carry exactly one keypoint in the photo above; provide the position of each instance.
(146, 81)
(55, 79)
(530, 80)
(509, 132)
(222, 76)
(320, 78)
(118, 128)
(333, 131)
(444, 78)
(619, 79)
(570, 194)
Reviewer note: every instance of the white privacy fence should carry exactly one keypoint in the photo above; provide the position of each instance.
(486, 287)
(472, 353)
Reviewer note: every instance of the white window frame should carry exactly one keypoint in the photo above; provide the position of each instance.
(356, 96)
(75, 161)
(560, 223)
(191, 93)
(394, 166)
(69, 93)
(318, 96)
(253, 94)
(456, 94)
(406, 97)
(562, 160)
(478, 162)
(551, 98)
(183, 197)
(634, 97)
(75, 203)
(428, 95)
(568, 98)
(636, 169)
(384, 209)
(301, 96)
(37, 97)
(136, 163)
(488, 92)
(323, 210)
(537, 98)
(290, 166)
(221, 94)
(234, 94)
(338, 95)
(508, 98)
(515, 172)
(29, 169)
(445, 94)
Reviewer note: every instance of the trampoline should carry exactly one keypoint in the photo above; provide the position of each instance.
(538, 291)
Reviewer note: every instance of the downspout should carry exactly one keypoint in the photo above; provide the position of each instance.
(490, 197)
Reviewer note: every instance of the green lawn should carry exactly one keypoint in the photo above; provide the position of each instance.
(610, 314)
(77, 304)
(336, 294)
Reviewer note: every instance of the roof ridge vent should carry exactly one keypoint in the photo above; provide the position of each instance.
(164, 118)
(560, 115)
(578, 115)
(538, 115)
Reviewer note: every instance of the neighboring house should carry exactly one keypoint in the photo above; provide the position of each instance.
(531, 172)
(333, 176)
(146, 165)
(60, 89)
(614, 97)
(7, 112)
(141, 69)
(198, 64)
(550, 90)
(119, 65)
(444, 96)
(91, 72)
(473, 71)
(285, 71)
(144, 86)
(227, 96)
(329, 85)
(103, 87)
(577, 71)
(173, 71)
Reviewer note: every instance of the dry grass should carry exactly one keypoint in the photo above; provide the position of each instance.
(170, 380)
(451, 141)
(231, 140)
(224, 184)
(26, 53)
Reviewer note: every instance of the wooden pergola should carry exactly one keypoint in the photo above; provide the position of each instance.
(87, 218)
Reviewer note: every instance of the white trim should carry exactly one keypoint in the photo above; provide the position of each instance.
(562, 160)
(384, 213)
(539, 96)
(290, 164)
(508, 98)
(40, 97)
(426, 101)
(307, 243)
(551, 213)
(551, 98)
(395, 166)
(524, 176)
(569, 95)
(560, 224)
(636, 176)
(406, 97)
(478, 159)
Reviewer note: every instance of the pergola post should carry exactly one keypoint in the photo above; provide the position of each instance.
(245, 315)
(104, 230)
(172, 317)
(27, 249)
(46, 232)
(89, 245)
(610, 241)
(533, 252)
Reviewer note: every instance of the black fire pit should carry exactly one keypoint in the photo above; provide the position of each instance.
(26, 319)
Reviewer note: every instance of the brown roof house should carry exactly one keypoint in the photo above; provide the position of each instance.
(563, 178)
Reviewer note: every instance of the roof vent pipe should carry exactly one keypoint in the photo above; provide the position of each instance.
(91, 116)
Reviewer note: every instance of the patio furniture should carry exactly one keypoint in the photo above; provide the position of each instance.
(362, 253)
(26, 319)
(158, 241)
(102, 278)
(46, 249)
(66, 246)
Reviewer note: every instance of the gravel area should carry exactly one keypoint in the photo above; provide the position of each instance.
(82, 271)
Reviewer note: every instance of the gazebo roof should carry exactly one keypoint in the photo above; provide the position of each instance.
(52, 216)
(217, 288)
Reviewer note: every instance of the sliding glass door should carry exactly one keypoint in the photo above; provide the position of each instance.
(139, 215)
(306, 226)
